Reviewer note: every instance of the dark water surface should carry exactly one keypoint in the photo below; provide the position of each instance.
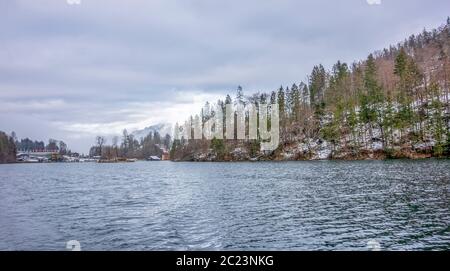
(403, 205)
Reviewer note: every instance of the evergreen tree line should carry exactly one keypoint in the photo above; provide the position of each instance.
(53, 145)
(393, 104)
(10, 146)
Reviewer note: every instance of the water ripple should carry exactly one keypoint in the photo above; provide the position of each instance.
(404, 205)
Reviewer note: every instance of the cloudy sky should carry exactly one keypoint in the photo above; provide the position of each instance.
(72, 71)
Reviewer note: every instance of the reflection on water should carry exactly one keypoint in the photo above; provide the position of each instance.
(403, 205)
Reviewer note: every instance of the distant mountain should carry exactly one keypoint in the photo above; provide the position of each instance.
(161, 128)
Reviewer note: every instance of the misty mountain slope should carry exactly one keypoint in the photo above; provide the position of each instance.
(162, 128)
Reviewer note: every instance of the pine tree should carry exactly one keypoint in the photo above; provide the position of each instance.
(388, 123)
(410, 78)
(273, 97)
(263, 98)
(296, 103)
(353, 122)
(228, 100)
(288, 102)
(317, 84)
(305, 94)
(282, 106)
(372, 99)
(437, 122)
(401, 63)
(239, 100)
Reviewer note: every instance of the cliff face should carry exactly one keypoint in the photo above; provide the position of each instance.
(7, 149)
(395, 104)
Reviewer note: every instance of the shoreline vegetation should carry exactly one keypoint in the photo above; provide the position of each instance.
(153, 147)
(8, 149)
(393, 105)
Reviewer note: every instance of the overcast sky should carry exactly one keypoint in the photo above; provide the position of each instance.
(73, 71)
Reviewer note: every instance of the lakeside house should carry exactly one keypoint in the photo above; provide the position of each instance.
(36, 156)
(165, 156)
(45, 156)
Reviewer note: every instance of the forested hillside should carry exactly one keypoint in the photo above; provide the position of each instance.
(394, 104)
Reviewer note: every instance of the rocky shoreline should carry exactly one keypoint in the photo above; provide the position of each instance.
(296, 153)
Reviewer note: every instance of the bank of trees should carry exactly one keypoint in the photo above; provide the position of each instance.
(53, 145)
(130, 147)
(10, 145)
(7, 149)
(395, 101)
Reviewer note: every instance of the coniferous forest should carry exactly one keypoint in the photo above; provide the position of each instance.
(394, 104)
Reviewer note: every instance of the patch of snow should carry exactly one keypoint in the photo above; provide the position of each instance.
(302, 147)
(324, 154)
(288, 155)
(425, 146)
(377, 146)
(376, 133)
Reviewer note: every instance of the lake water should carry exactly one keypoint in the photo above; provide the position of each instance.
(403, 205)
